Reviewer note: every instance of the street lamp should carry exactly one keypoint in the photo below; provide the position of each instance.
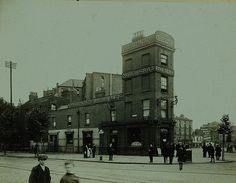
(11, 65)
(100, 132)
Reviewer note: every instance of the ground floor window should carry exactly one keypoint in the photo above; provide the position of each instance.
(134, 137)
(69, 138)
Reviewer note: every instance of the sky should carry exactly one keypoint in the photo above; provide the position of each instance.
(55, 40)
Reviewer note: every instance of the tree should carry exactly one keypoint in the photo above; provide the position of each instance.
(223, 129)
(37, 124)
(8, 120)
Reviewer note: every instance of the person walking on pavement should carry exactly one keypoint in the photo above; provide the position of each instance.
(164, 152)
(218, 152)
(40, 173)
(211, 152)
(36, 150)
(204, 150)
(171, 150)
(110, 152)
(181, 156)
(69, 177)
(94, 150)
(151, 152)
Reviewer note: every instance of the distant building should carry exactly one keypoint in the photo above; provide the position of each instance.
(210, 133)
(197, 137)
(183, 129)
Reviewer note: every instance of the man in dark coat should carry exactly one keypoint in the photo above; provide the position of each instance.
(181, 156)
(171, 150)
(204, 150)
(211, 152)
(151, 152)
(69, 177)
(40, 173)
(110, 152)
(218, 152)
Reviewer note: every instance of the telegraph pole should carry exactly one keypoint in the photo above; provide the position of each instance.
(11, 65)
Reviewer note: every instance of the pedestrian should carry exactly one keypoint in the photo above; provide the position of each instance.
(211, 152)
(204, 150)
(151, 152)
(181, 156)
(40, 173)
(171, 153)
(218, 152)
(110, 152)
(164, 152)
(70, 176)
(36, 150)
(94, 150)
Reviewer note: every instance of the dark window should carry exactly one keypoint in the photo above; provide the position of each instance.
(146, 59)
(128, 65)
(164, 84)
(163, 108)
(69, 138)
(128, 110)
(128, 86)
(164, 59)
(146, 82)
(69, 120)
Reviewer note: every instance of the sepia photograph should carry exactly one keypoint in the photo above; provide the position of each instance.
(117, 91)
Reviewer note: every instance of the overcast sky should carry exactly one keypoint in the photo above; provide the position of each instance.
(55, 40)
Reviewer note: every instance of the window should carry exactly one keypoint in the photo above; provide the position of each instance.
(163, 108)
(128, 86)
(164, 59)
(113, 115)
(69, 120)
(146, 82)
(164, 84)
(54, 122)
(87, 118)
(146, 108)
(128, 110)
(128, 65)
(146, 59)
(69, 138)
(102, 81)
(134, 137)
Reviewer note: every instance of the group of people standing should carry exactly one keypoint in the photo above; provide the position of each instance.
(89, 151)
(211, 151)
(168, 151)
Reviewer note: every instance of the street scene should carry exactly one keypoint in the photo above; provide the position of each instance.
(117, 91)
(123, 169)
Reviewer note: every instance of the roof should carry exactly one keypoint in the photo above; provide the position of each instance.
(73, 82)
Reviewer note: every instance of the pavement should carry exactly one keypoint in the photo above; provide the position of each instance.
(119, 159)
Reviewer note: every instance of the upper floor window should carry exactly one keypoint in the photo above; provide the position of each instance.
(113, 115)
(87, 118)
(164, 59)
(146, 108)
(102, 81)
(54, 122)
(163, 108)
(69, 120)
(164, 84)
(146, 59)
(128, 109)
(128, 64)
(146, 82)
(128, 86)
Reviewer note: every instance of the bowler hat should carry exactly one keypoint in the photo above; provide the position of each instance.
(42, 157)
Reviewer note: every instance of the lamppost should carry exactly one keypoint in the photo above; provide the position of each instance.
(223, 129)
(100, 132)
(11, 65)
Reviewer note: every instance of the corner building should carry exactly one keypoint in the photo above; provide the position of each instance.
(148, 91)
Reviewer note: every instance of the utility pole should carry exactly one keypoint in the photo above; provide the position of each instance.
(11, 65)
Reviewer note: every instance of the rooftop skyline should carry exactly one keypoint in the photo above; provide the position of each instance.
(54, 41)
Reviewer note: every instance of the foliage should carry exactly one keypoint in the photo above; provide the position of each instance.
(224, 127)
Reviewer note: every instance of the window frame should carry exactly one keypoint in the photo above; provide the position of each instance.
(164, 59)
(145, 108)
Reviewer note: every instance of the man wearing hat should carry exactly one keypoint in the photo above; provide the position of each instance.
(40, 173)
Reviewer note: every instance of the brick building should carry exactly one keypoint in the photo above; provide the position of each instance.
(133, 109)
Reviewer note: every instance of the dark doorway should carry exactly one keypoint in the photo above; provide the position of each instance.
(114, 140)
(87, 137)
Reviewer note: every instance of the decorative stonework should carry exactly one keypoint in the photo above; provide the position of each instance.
(159, 37)
(148, 70)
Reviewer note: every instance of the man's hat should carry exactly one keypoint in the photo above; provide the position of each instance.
(42, 157)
